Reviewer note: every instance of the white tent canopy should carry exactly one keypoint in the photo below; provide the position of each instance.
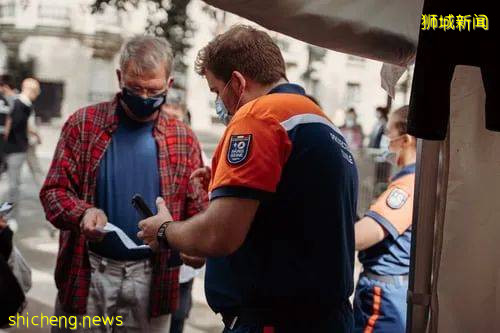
(383, 30)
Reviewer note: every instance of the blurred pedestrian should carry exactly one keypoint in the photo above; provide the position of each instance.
(176, 109)
(351, 130)
(34, 140)
(7, 97)
(383, 237)
(4, 113)
(107, 153)
(11, 293)
(7, 88)
(17, 139)
(15, 274)
(379, 127)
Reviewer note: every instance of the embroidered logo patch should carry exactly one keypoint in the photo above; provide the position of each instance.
(397, 198)
(239, 146)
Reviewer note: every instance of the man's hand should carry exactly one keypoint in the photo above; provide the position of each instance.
(149, 227)
(195, 262)
(202, 176)
(93, 222)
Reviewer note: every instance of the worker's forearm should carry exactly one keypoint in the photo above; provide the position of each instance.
(367, 233)
(194, 237)
(362, 242)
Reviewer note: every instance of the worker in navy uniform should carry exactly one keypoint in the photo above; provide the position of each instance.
(383, 237)
(279, 230)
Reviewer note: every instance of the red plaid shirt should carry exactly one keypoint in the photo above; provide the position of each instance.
(70, 189)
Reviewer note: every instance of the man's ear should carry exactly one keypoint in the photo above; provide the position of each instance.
(170, 82)
(119, 76)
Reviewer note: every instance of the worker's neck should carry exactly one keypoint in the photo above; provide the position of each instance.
(262, 90)
(408, 158)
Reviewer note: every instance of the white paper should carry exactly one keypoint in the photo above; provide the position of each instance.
(130, 244)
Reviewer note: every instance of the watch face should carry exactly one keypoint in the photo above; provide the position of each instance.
(161, 231)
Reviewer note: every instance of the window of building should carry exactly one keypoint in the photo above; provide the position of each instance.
(7, 9)
(352, 93)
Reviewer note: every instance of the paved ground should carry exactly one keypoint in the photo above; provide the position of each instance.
(39, 247)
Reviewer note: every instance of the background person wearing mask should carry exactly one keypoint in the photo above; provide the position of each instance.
(383, 237)
(279, 256)
(379, 127)
(107, 153)
(17, 140)
(174, 108)
(351, 130)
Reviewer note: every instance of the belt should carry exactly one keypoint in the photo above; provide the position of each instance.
(271, 317)
(390, 279)
(258, 317)
(106, 264)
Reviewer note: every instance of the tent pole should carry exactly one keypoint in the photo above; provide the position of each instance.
(424, 216)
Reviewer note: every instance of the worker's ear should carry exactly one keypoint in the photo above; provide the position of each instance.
(409, 140)
(238, 83)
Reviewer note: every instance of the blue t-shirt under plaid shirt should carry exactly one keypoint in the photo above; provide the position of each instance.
(129, 166)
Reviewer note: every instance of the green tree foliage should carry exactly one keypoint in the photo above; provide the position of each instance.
(168, 18)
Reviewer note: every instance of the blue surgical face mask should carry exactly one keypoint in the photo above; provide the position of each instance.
(222, 111)
(390, 155)
(143, 107)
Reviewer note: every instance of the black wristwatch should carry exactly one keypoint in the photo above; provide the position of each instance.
(161, 235)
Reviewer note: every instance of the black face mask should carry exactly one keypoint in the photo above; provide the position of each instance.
(143, 107)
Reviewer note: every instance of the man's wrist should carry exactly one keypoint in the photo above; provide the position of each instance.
(82, 217)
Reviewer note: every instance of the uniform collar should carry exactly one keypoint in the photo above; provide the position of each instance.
(407, 170)
(288, 88)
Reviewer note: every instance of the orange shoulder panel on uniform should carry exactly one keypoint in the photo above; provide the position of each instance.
(256, 146)
(396, 203)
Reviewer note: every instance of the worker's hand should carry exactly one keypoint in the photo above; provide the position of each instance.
(93, 222)
(195, 262)
(149, 227)
(202, 176)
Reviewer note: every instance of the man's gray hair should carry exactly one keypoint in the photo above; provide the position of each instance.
(146, 53)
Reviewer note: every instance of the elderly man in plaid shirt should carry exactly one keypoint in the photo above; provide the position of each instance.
(107, 153)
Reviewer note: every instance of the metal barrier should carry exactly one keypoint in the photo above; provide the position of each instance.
(374, 175)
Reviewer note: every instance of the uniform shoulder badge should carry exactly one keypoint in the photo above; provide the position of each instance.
(239, 147)
(397, 198)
